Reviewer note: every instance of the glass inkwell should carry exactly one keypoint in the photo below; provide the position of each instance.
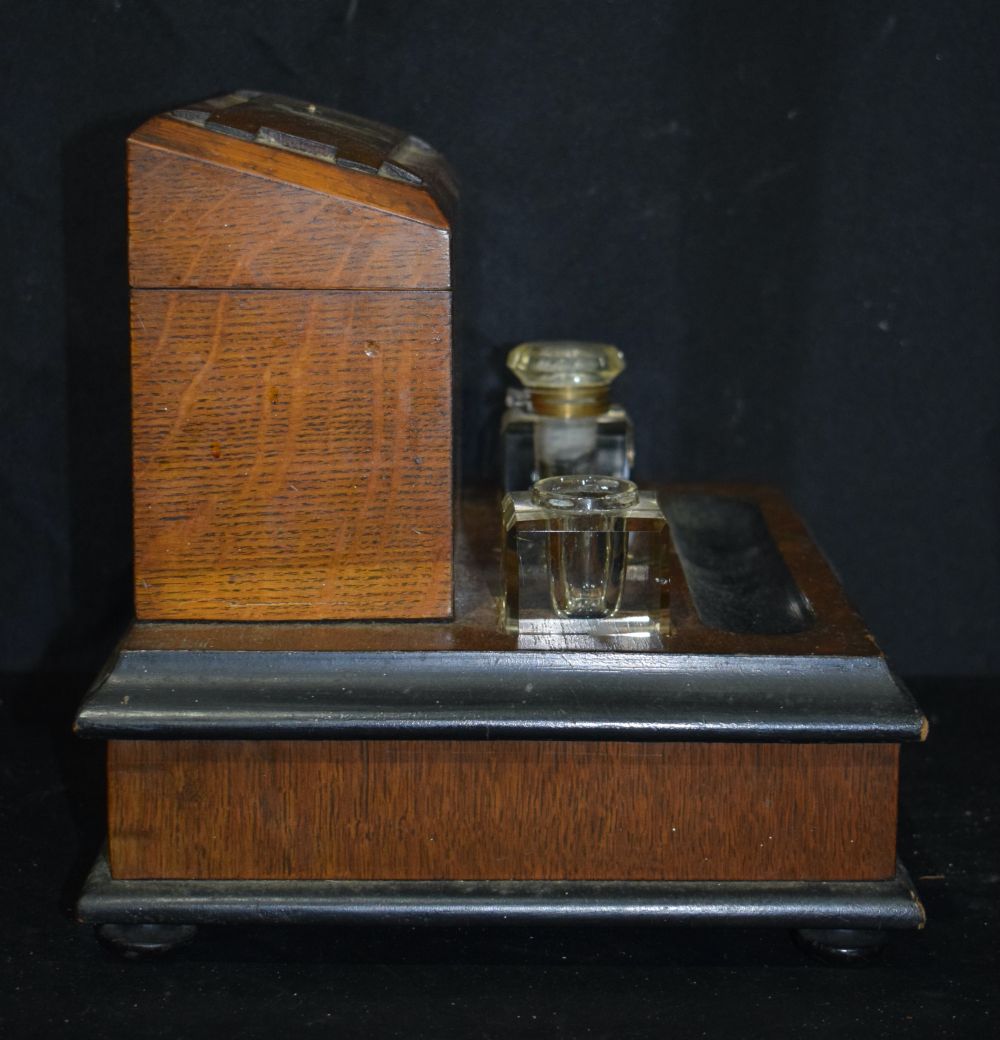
(561, 419)
(584, 554)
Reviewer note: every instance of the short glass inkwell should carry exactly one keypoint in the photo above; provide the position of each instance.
(561, 419)
(584, 554)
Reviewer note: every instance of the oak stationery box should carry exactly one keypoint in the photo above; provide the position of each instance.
(291, 366)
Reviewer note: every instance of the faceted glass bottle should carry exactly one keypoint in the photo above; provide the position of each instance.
(561, 421)
(584, 554)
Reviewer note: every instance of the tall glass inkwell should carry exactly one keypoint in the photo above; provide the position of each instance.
(584, 550)
(561, 420)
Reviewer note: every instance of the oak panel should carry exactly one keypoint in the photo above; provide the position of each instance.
(196, 224)
(292, 455)
(406, 201)
(501, 810)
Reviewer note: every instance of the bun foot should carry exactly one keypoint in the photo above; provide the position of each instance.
(844, 947)
(144, 941)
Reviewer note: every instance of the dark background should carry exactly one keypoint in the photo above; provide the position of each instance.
(785, 213)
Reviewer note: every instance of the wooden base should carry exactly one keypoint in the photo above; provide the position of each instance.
(867, 905)
(445, 773)
(501, 810)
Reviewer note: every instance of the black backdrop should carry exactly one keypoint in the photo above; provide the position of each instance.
(786, 214)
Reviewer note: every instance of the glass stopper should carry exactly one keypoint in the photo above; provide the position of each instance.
(567, 378)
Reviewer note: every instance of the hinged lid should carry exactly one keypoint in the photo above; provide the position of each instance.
(259, 191)
(324, 133)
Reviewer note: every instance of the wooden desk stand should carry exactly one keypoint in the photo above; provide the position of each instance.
(743, 771)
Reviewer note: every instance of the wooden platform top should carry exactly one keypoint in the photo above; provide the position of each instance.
(827, 681)
(835, 629)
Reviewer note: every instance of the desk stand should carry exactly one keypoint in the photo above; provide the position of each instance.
(739, 768)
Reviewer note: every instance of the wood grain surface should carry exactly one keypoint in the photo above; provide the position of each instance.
(196, 223)
(501, 810)
(292, 454)
(409, 201)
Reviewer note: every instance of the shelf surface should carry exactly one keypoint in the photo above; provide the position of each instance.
(824, 681)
